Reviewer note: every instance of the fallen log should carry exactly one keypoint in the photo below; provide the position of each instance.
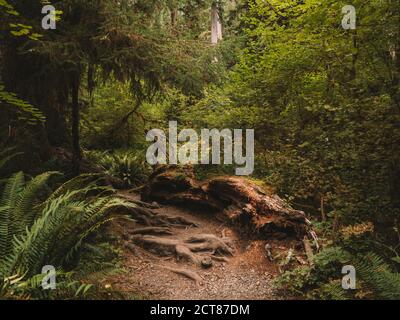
(238, 200)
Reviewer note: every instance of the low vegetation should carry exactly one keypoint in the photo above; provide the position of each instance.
(76, 104)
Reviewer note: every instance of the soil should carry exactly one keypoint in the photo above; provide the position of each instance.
(246, 274)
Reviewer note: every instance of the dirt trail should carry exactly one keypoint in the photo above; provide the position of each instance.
(246, 275)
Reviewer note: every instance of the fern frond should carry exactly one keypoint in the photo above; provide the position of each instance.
(12, 189)
(24, 206)
(76, 183)
(4, 158)
(8, 217)
(378, 278)
(50, 233)
(333, 290)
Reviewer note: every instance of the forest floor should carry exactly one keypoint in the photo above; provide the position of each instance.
(247, 274)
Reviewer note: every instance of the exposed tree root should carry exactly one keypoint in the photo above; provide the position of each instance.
(132, 248)
(184, 252)
(187, 273)
(153, 230)
(142, 204)
(234, 200)
(151, 218)
(204, 242)
(220, 259)
(199, 249)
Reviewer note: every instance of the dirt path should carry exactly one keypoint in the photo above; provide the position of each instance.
(247, 274)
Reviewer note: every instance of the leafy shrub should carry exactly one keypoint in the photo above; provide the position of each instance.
(375, 279)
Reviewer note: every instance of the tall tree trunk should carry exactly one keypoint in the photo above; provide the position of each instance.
(353, 73)
(76, 148)
(174, 17)
(396, 57)
(216, 26)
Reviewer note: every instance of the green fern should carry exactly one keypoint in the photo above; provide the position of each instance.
(7, 155)
(377, 277)
(25, 111)
(17, 207)
(131, 168)
(331, 290)
(34, 234)
(374, 277)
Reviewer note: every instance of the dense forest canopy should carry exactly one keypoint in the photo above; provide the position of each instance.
(77, 101)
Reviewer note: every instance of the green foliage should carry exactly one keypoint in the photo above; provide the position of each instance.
(328, 263)
(378, 278)
(325, 120)
(36, 233)
(104, 121)
(19, 30)
(129, 166)
(7, 11)
(375, 279)
(294, 281)
(324, 103)
(8, 8)
(325, 106)
(7, 155)
(24, 110)
(22, 288)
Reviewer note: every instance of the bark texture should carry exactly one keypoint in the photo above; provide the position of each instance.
(236, 200)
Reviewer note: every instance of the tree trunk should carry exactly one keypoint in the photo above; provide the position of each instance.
(216, 27)
(76, 149)
(353, 74)
(174, 17)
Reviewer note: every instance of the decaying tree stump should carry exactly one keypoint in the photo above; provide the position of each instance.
(240, 201)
